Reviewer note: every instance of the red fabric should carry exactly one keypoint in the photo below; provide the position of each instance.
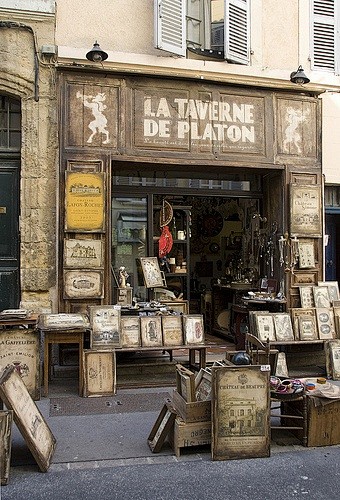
(165, 242)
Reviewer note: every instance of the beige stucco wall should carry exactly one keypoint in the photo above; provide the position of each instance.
(38, 152)
(331, 137)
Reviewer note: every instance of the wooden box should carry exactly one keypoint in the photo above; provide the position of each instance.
(184, 434)
(197, 411)
(323, 423)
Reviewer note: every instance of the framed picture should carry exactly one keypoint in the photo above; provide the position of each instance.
(172, 330)
(151, 331)
(178, 306)
(325, 322)
(306, 254)
(295, 313)
(306, 210)
(153, 277)
(83, 254)
(193, 329)
(82, 284)
(281, 368)
(283, 327)
(6, 420)
(63, 321)
(333, 352)
(333, 290)
(306, 296)
(240, 415)
(20, 348)
(307, 328)
(336, 312)
(203, 386)
(161, 429)
(27, 417)
(265, 327)
(99, 373)
(85, 202)
(130, 331)
(321, 297)
(185, 383)
(105, 327)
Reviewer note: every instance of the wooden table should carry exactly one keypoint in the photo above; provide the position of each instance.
(62, 337)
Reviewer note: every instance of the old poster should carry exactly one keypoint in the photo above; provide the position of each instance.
(83, 254)
(27, 417)
(99, 373)
(84, 202)
(306, 210)
(240, 413)
(81, 284)
(20, 348)
(105, 327)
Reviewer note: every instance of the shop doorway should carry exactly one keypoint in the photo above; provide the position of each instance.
(220, 228)
(10, 143)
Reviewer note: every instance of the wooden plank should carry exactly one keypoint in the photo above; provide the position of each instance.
(6, 419)
(27, 417)
(99, 373)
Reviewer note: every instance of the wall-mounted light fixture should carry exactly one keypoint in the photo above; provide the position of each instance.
(96, 54)
(299, 76)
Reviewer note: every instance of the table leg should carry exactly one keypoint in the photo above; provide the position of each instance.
(46, 366)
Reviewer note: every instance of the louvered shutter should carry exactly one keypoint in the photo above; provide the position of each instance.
(323, 34)
(170, 30)
(237, 32)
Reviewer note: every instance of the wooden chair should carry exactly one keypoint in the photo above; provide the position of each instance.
(258, 351)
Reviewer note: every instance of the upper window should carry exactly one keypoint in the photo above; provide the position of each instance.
(325, 35)
(216, 28)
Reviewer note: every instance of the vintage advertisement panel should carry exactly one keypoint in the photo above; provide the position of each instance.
(27, 417)
(81, 284)
(21, 348)
(99, 373)
(83, 254)
(306, 210)
(240, 413)
(105, 327)
(84, 202)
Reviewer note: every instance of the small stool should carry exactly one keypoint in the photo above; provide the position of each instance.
(62, 337)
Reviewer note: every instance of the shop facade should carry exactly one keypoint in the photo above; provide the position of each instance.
(240, 165)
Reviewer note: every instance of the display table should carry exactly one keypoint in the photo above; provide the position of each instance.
(62, 337)
(29, 322)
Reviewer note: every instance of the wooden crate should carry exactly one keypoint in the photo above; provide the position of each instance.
(323, 423)
(184, 434)
(197, 411)
(6, 420)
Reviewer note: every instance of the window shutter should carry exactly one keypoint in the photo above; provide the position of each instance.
(170, 32)
(237, 32)
(323, 34)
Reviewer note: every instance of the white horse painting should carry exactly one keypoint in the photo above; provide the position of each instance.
(294, 117)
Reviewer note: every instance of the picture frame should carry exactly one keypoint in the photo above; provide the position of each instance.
(321, 297)
(295, 313)
(306, 297)
(178, 306)
(333, 290)
(20, 347)
(185, 383)
(307, 328)
(130, 331)
(281, 368)
(172, 329)
(83, 254)
(333, 353)
(240, 415)
(28, 418)
(63, 321)
(105, 327)
(203, 385)
(283, 327)
(193, 329)
(305, 210)
(151, 331)
(306, 254)
(152, 274)
(83, 284)
(99, 373)
(325, 322)
(336, 312)
(161, 428)
(265, 327)
(84, 202)
(6, 422)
